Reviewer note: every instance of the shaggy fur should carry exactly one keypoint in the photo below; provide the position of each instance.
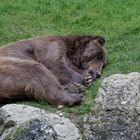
(39, 68)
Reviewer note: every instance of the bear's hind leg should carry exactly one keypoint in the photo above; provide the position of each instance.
(23, 78)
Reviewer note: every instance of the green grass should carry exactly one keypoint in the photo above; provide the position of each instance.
(117, 20)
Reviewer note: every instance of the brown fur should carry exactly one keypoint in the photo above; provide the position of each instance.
(38, 68)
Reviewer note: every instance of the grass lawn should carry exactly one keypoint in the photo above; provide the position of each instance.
(117, 20)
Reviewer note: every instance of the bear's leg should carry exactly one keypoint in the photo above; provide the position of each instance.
(53, 56)
(21, 79)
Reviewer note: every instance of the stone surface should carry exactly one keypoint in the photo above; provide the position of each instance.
(13, 115)
(120, 92)
(38, 130)
(116, 114)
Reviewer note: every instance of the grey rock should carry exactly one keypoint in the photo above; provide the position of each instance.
(120, 92)
(38, 130)
(116, 114)
(14, 115)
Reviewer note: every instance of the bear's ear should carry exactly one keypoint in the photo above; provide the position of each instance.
(101, 40)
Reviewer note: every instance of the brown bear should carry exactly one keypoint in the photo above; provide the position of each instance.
(40, 68)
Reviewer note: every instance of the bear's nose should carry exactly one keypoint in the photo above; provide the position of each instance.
(95, 74)
(98, 75)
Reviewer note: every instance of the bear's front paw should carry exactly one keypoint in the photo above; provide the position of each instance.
(88, 79)
(79, 86)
